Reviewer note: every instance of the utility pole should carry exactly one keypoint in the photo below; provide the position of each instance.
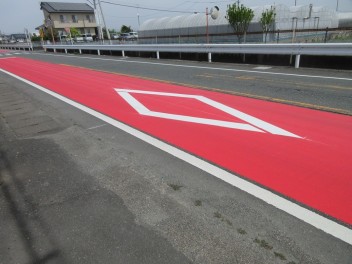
(102, 16)
(28, 36)
(139, 23)
(207, 28)
(97, 17)
(337, 5)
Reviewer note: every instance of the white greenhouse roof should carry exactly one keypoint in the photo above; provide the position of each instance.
(284, 15)
(185, 21)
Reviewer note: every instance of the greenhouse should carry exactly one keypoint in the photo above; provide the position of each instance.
(345, 20)
(291, 22)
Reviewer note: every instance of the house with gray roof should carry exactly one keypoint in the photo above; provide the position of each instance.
(61, 17)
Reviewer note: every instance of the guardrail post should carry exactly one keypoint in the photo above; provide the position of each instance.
(99, 52)
(66, 51)
(80, 51)
(209, 57)
(298, 58)
(54, 50)
(123, 53)
(157, 55)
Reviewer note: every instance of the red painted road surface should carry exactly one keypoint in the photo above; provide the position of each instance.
(315, 169)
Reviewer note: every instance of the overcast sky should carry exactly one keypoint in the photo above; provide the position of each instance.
(15, 15)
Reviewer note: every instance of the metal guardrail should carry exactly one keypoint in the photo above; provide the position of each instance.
(17, 46)
(296, 49)
(325, 49)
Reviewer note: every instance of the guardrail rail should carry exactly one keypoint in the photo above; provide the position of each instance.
(295, 49)
(17, 46)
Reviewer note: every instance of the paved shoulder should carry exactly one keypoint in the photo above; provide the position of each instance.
(52, 210)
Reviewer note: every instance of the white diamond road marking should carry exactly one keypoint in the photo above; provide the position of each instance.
(255, 124)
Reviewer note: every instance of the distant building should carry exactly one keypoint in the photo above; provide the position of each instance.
(4, 39)
(18, 38)
(63, 16)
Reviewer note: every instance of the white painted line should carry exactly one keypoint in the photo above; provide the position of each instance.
(203, 67)
(255, 122)
(6, 58)
(95, 127)
(262, 68)
(312, 218)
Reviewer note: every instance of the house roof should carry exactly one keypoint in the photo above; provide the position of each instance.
(56, 7)
(18, 36)
(39, 27)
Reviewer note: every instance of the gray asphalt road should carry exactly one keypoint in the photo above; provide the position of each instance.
(76, 190)
(329, 90)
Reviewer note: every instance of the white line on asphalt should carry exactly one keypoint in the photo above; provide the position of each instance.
(335, 229)
(95, 127)
(262, 68)
(203, 67)
(5, 58)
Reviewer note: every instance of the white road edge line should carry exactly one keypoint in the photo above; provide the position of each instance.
(337, 230)
(202, 67)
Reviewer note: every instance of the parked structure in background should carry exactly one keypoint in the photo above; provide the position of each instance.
(60, 17)
(14, 38)
(292, 24)
(21, 38)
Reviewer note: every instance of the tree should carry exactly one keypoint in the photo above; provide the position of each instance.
(105, 34)
(239, 18)
(267, 20)
(35, 37)
(112, 32)
(126, 29)
(48, 36)
(74, 32)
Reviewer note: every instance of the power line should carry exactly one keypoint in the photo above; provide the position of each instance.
(148, 8)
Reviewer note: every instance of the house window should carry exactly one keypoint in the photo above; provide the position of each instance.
(63, 19)
(90, 18)
(74, 19)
